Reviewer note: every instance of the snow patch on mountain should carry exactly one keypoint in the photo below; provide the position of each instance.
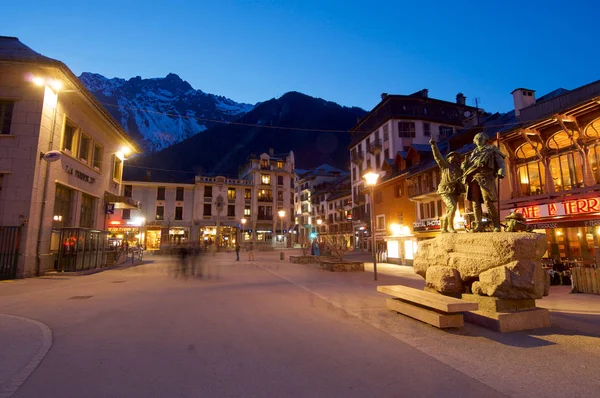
(160, 112)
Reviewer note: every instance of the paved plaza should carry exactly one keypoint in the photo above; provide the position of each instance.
(270, 328)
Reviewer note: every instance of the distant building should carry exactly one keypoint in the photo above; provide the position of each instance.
(307, 183)
(61, 164)
(210, 209)
(399, 128)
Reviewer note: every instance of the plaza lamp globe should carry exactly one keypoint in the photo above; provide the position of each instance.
(371, 180)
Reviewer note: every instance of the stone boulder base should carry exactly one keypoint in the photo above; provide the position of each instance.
(505, 265)
(444, 280)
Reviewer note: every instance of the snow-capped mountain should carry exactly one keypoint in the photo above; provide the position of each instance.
(160, 112)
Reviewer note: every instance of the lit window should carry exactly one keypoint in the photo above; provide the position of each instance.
(69, 137)
(265, 179)
(280, 164)
(160, 213)
(231, 193)
(247, 211)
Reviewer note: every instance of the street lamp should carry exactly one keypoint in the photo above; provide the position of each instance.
(319, 222)
(371, 179)
(281, 215)
(243, 220)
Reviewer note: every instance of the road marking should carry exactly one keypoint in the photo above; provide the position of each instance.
(17, 381)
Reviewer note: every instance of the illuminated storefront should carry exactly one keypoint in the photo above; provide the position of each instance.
(572, 227)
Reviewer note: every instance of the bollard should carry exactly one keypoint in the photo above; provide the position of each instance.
(281, 256)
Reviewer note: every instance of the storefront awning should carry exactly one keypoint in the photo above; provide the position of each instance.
(121, 202)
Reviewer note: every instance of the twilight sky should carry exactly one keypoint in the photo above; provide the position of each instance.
(346, 51)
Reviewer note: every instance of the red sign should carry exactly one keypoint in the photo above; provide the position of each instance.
(570, 207)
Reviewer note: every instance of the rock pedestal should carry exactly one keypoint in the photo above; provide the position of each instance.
(503, 271)
(506, 315)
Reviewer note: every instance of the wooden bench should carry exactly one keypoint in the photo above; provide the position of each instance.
(432, 308)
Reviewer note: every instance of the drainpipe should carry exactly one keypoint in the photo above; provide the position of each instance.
(38, 257)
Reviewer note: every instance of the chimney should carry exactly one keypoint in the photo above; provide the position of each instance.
(522, 98)
(271, 151)
(461, 99)
(384, 96)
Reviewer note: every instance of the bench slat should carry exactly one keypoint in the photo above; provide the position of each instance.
(441, 321)
(431, 300)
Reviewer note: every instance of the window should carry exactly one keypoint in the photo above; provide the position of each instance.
(84, 148)
(63, 199)
(439, 209)
(69, 137)
(261, 211)
(247, 194)
(386, 133)
(160, 212)
(406, 129)
(279, 180)
(126, 214)
(279, 195)
(231, 193)
(6, 111)
(179, 194)
(88, 209)
(231, 211)
(398, 190)
(380, 222)
(160, 193)
(386, 153)
(378, 160)
(128, 191)
(207, 209)
(269, 210)
(426, 129)
(178, 212)
(265, 179)
(446, 131)
(118, 164)
(369, 163)
(97, 161)
(264, 163)
(531, 178)
(280, 164)
(247, 211)
(208, 191)
(265, 194)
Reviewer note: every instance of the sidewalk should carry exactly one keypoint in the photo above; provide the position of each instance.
(25, 342)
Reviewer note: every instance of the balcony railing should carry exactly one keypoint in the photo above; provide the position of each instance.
(357, 157)
(264, 217)
(266, 199)
(374, 146)
(421, 190)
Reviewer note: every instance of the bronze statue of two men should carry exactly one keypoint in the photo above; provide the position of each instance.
(476, 175)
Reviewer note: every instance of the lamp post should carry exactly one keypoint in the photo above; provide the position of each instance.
(243, 221)
(281, 214)
(319, 222)
(371, 179)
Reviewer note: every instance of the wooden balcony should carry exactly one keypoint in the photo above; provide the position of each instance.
(357, 157)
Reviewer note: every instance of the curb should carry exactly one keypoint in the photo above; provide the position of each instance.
(22, 376)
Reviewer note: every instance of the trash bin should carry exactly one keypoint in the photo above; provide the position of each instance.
(281, 256)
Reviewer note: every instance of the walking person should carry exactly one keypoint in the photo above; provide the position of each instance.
(251, 251)
(237, 251)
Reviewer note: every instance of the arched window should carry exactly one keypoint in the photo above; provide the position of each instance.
(593, 131)
(562, 140)
(530, 174)
(527, 150)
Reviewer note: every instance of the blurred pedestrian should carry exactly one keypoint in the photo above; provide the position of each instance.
(237, 251)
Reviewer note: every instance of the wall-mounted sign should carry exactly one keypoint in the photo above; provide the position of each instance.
(426, 225)
(570, 207)
(220, 202)
(78, 174)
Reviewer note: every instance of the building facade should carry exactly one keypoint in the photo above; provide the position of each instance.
(212, 210)
(399, 128)
(61, 164)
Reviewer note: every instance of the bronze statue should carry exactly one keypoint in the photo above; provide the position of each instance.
(481, 168)
(450, 187)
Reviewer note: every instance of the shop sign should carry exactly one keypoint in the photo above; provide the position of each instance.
(570, 207)
(551, 224)
(426, 225)
(78, 174)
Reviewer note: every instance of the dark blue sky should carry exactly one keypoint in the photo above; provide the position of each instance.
(344, 51)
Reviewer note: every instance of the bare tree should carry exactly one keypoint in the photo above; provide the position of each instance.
(337, 245)
(304, 246)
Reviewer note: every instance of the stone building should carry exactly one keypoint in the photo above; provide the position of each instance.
(61, 163)
(212, 209)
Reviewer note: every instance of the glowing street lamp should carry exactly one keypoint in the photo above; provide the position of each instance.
(243, 221)
(371, 180)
